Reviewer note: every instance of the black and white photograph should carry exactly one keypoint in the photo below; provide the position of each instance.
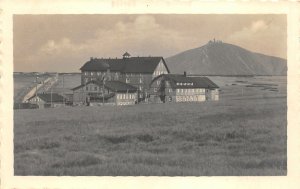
(150, 95)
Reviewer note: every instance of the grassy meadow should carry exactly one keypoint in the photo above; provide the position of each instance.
(242, 134)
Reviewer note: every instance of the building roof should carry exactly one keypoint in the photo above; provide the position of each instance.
(126, 54)
(119, 86)
(47, 97)
(116, 86)
(182, 81)
(125, 65)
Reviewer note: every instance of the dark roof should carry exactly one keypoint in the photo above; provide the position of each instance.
(116, 86)
(126, 54)
(125, 65)
(197, 82)
(119, 86)
(47, 97)
(78, 87)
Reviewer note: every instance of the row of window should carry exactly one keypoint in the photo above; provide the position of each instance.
(114, 73)
(190, 91)
(92, 88)
(96, 73)
(126, 96)
(157, 73)
(185, 84)
(125, 103)
(128, 80)
(132, 74)
(190, 98)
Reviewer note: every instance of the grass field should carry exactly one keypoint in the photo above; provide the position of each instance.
(242, 134)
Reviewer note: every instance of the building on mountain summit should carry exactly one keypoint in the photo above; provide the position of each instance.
(135, 71)
(182, 88)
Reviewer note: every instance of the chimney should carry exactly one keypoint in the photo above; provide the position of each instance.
(184, 73)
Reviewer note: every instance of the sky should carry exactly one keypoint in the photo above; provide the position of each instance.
(63, 43)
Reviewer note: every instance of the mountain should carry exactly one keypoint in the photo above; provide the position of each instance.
(218, 58)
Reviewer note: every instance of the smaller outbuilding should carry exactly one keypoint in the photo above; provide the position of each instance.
(182, 88)
(105, 92)
(47, 100)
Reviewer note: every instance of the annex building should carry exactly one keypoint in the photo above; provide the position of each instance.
(182, 88)
(113, 92)
(47, 100)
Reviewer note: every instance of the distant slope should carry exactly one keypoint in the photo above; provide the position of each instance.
(217, 58)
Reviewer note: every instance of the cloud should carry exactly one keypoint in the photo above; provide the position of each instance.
(260, 36)
(141, 36)
(67, 48)
(258, 25)
(52, 47)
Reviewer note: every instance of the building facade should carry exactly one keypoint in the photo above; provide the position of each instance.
(181, 88)
(98, 92)
(136, 71)
(47, 100)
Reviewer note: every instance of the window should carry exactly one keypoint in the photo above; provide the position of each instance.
(127, 80)
(87, 88)
(95, 88)
(157, 82)
(170, 90)
(141, 80)
(140, 88)
(92, 73)
(155, 89)
(124, 96)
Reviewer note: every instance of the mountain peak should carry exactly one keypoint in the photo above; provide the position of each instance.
(219, 58)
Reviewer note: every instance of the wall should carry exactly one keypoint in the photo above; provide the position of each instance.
(38, 101)
(126, 98)
(160, 69)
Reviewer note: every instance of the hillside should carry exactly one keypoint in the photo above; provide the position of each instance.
(218, 58)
